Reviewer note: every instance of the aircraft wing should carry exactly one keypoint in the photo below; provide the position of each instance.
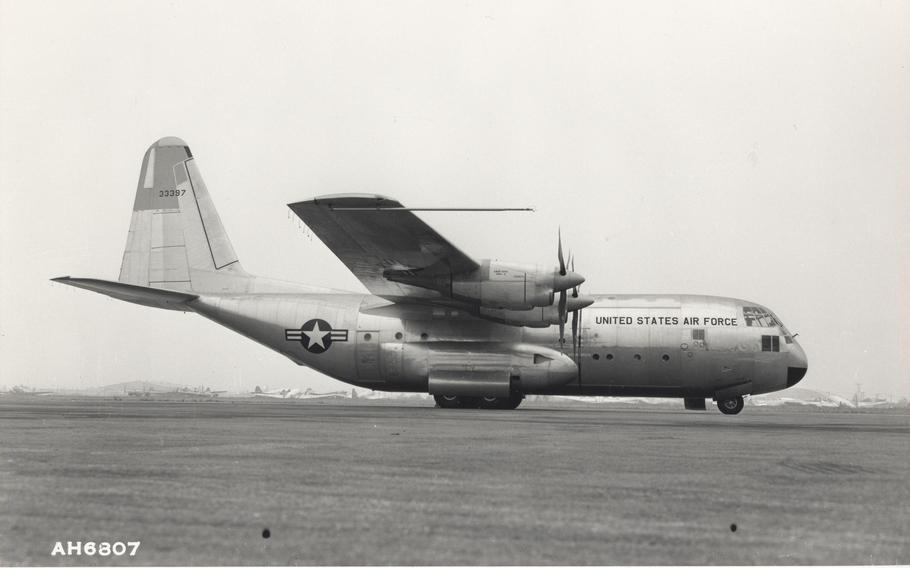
(371, 234)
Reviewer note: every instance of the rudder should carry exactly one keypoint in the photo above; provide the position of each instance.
(176, 239)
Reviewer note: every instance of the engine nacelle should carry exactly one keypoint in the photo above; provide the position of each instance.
(508, 286)
(495, 284)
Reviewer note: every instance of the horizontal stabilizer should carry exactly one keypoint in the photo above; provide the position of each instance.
(152, 297)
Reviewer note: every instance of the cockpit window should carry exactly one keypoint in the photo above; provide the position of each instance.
(759, 317)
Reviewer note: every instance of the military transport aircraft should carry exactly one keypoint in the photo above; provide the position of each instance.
(472, 333)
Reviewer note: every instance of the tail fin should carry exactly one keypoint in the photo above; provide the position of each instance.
(176, 239)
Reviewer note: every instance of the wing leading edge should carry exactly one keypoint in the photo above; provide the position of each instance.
(371, 234)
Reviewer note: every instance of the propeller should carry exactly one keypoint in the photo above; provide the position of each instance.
(573, 280)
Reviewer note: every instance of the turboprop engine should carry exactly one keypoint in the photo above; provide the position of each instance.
(502, 288)
(495, 285)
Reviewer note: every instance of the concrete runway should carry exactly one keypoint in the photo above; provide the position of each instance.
(375, 483)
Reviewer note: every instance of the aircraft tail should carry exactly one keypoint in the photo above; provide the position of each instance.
(176, 240)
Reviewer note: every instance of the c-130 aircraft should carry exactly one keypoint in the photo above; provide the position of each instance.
(474, 334)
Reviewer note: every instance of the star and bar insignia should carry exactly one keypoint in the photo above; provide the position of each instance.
(316, 335)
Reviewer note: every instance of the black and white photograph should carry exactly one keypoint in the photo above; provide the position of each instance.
(454, 283)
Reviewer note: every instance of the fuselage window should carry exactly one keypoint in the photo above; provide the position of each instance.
(609, 356)
(637, 357)
(698, 339)
(770, 343)
(398, 335)
(595, 356)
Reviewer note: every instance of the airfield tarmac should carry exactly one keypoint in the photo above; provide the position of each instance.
(402, 483)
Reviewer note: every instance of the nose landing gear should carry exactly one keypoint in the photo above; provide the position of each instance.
(731, 405)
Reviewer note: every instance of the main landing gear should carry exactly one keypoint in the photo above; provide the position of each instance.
(489, 402)
(731, 405)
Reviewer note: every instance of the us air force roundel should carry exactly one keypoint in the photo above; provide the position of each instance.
(316, 335)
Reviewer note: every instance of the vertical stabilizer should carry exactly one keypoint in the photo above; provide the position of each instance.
(176, 239)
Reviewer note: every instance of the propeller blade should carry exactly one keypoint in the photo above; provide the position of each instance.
(562, 317)
(572, 265)
(575, 338)
(562, 261)
(575, 334)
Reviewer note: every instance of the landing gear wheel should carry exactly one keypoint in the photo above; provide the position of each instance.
(452, 401)
(447, 401)
(502, 403)
(731, 405)
(488, 402)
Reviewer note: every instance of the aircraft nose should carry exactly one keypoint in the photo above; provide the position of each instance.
(797, 364)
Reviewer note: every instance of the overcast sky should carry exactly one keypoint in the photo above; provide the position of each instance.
(755, 150)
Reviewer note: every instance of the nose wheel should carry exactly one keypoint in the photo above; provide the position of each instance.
(731, 405)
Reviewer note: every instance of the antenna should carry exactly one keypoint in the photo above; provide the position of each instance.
(380, 208)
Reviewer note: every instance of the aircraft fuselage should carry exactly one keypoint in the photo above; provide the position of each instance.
(629, 345)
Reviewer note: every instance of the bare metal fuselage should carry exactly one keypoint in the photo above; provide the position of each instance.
(631, 345)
